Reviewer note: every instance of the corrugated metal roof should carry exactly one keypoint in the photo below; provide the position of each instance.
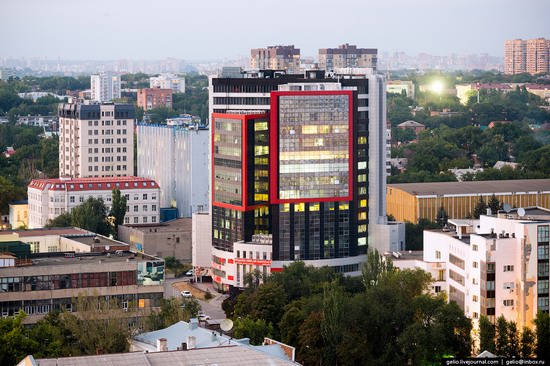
(481, 187)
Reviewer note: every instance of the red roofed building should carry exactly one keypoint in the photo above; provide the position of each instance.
(49, 198)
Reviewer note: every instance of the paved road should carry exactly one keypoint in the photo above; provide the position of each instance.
(212, 308)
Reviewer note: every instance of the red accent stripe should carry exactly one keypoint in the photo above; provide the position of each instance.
(276, 269)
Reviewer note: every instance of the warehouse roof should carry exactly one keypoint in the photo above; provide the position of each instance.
(481, 187)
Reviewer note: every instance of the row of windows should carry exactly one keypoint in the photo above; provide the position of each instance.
(76, 280)
(145, 207)
(106, 159)
(107, 141)
(144, 220)
(106, 150)
(106, 132)
(107, 123)
(107, 168)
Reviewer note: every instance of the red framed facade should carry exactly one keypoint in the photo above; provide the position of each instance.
(274, 146)
(244, 118)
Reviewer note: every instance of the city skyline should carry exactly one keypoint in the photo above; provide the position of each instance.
(232, 29)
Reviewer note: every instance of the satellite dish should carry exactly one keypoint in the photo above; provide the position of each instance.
(226, 325)
(107, 247)
(521, 212)
(507, 207)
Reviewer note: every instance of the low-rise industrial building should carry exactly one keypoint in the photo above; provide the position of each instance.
(76, 262)
(169, 239)
(414, 201)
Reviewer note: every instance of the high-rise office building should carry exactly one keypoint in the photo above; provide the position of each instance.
(298, 169)
(176, 157)
(105, 87)
(96, 140)
(276, 58)
(346, 56)
(531, 56)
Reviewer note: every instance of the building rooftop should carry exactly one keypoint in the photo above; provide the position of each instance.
(476, 187)
(180, 332)
(182, 224)
(227, 356)
(88, 184)
(62, 231)
(410, 123)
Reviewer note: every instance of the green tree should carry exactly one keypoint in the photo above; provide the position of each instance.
(494, 204)
(527, 348)
(8, 193)
(92, 216)
(290, 323)
(118, 211)
(501, 338)
(255, 330)
(63, 220)
(268, 303)
(486, 335)
(374, 267)
(14, 343)
(513, 345)
(333, 326)
(172, 311)
(542, 323)
(442, 216)
(480, 208)
(311, 345)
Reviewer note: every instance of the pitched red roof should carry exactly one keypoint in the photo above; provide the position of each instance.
(93, 184)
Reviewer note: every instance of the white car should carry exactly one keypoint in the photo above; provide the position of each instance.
(203, 317)
(189, 273)
(186, 293)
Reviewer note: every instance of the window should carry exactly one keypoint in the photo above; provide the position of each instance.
(508, 302)
(145, 196)
(136, 219)
(474, 247)
(508, 285)
(144, 219)
(135, 208)
(126, 220)
(154, 219)
(153, 208)
(542, 286)
(508, 268)
(437, 254)
(475, 298)
(474, 264)
(490, 268)
(475, 315)
(144, 208)
(437, 289)
(71, 199)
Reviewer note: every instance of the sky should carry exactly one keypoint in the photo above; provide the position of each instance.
(217, 29)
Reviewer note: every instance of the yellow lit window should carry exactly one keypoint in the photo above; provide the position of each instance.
(363, 203)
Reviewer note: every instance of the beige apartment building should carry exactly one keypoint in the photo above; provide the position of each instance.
(276, 58)
(96, 140)
(347, 56)
(530, 56)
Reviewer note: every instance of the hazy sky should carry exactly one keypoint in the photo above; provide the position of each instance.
(214, 29)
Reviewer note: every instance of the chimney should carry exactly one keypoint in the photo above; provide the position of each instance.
(489, 212)
(191, 342)
(162, 345)
(193, 323)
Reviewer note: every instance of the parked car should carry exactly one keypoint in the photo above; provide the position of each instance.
(189, 273)
(203, 317)
(186, 293)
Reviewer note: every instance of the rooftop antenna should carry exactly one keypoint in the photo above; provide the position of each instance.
(507, 207)
(521, 212)
(226, 325)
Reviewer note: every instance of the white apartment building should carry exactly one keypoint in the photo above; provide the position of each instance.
(177, 159)
(105, 87)
(494, 266)
(49, 198)
(96, 140)
(168, 81)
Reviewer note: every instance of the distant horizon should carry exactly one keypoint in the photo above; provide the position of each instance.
(236, 57)
(141, 30)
